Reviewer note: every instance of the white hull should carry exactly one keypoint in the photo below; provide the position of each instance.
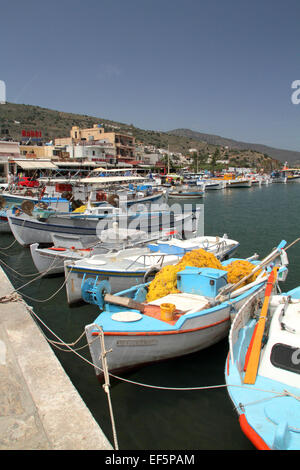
(137, 350)
(185, 196)
(49, 262)
(239, 184)
(118, 278)
(215, 186)
(27, 229)
(131, 349)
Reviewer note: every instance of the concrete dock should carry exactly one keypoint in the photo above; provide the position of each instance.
(40, 409)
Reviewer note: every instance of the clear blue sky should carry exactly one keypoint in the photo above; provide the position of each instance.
(217, 66)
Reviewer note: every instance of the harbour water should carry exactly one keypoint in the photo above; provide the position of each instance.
(155, 418)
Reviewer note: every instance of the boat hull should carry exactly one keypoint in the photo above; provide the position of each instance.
(49, 261)
(27, 229)
(136, 345)
(239, 184)
(134, 351)
(268, 409)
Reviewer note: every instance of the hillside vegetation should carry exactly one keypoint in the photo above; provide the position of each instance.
(16, 117)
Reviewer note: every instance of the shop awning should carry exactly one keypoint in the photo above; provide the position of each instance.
(36, 165)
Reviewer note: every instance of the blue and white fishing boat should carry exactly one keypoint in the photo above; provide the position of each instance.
(38, 226)
(128, 267)
(7, 201)
(279, 176)
(264, 382)
(143, 193)
(137, 332)
(54, 202)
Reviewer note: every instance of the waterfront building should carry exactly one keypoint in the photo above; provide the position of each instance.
(123, 145)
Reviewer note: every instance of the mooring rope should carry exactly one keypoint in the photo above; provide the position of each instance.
(159, 387)
(31, 274)
(107, 374)
(15, 290)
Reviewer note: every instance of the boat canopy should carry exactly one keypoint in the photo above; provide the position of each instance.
(110, 179)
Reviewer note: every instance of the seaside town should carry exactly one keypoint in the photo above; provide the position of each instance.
(86, 207)
(86, 149)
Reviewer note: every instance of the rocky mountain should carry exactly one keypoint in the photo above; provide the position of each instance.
(292, 157)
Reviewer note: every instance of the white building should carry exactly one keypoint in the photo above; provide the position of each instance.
(8, 151)
(95, 151)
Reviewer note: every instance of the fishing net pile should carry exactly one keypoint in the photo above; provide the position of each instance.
(165, 281)
(81, 208)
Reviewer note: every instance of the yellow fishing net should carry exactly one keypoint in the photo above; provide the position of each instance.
(165, 281)
(80, 209)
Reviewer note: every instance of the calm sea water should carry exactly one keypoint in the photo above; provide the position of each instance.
(153, 419)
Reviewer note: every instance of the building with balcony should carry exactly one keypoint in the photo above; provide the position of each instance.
(122, 145)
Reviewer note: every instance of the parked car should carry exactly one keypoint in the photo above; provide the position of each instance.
(28, 182)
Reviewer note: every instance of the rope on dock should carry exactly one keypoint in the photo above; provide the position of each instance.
(107, 374)
(159, 387)
(31, 274)
(106, 385)
(13, 297)
(33, 280)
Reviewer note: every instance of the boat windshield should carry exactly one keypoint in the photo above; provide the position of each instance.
(286, 357)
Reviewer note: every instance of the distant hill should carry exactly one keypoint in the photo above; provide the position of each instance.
(292, 157)
(53, 124)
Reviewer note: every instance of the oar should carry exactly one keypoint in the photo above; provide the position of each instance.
(252, 366)
(261, 265)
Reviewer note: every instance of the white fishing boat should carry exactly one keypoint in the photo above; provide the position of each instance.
(231, 180)
(141, 194)
(129, 267)
(263, 369)
(136, 332)
(279, 177)
(211, 184)
(38, 226)
(239, 182)
(255, 179)
(186, 192)
(50, 260)
(214, 184)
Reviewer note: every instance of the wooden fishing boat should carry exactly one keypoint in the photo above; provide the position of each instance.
(128, 267)
(137, 332)
(263, 369)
